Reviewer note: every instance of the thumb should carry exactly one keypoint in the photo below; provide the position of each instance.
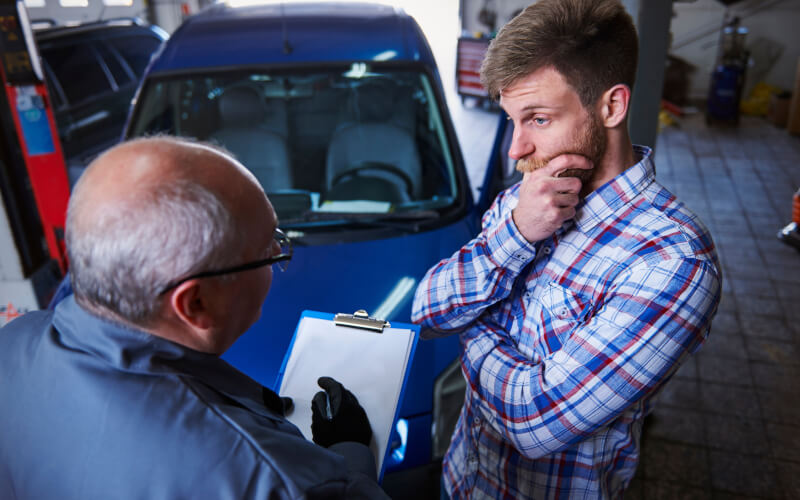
(320, 403)
(334, 390)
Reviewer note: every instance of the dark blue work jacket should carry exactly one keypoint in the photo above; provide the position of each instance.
(91, 409)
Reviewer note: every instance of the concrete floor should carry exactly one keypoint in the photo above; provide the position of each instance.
(728, 424)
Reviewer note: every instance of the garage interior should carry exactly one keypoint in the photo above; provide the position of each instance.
(728, 425)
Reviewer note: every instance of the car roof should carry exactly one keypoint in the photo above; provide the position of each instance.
(96, 29)
(293, 33)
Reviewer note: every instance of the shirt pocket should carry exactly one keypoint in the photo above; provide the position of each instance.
(562, 311)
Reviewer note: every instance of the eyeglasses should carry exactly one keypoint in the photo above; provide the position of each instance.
(282, 259)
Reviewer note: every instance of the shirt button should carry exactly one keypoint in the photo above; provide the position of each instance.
(546, 250)
(563, 312)
(476, 421)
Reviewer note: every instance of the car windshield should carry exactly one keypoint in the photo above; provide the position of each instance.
(353, 143)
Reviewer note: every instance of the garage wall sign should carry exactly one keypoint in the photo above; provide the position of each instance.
(16, 58)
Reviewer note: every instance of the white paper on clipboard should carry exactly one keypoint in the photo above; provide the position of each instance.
(372, 365)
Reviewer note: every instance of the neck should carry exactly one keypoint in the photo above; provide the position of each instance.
(180, 333)
(165, 327)
(617, 158)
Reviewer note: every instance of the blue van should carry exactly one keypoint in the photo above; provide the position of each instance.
(338, 110)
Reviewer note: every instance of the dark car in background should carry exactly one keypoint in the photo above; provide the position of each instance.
(92, 72)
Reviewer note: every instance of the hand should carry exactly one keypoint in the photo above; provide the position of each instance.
(546, 200)
(288, 404)
(336, 416)
(283, 404)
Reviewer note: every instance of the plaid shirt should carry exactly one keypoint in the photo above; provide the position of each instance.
(567, 339)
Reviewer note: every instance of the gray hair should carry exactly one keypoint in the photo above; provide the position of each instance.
(122, 260)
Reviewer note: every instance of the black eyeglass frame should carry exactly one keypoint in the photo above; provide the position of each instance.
(281, 257)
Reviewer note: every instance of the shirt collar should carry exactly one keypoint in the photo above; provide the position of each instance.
(616, 193)
(135, 351)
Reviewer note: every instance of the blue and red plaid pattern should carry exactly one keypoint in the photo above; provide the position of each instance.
(566, 340)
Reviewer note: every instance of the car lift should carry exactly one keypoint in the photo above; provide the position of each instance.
(34, 189)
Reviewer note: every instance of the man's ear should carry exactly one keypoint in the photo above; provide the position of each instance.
(191, 307)
(614, 105)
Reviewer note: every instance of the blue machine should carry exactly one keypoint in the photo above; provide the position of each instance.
(338, 110)
(725, 93)
(727, 80)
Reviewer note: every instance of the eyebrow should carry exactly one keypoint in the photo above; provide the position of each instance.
(533, 108)
(539, 107)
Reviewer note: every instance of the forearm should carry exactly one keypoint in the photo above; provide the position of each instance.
(357, 457)
(457, 290)
(361, 470)
(635, 342)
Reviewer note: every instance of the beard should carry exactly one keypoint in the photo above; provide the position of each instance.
(591, 143)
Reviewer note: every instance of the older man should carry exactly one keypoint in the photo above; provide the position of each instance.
(120, 392)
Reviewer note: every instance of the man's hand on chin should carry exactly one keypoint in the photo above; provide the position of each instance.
(548, 196)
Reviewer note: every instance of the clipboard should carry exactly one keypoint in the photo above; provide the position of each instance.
(369, 356)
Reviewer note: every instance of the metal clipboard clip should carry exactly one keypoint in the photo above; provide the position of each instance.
(360, 319)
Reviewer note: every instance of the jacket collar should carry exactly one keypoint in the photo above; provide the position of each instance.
(135, 351)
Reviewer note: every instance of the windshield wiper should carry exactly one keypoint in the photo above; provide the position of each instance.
(404, 221)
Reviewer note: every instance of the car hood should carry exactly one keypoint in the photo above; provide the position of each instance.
(379, 276)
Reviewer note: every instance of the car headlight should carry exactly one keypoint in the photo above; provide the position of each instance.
(448, 398)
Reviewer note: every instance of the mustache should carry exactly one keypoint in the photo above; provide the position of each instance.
(529, 164)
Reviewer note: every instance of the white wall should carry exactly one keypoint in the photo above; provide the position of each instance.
(771, 23)
(504, 9)
(167, 14)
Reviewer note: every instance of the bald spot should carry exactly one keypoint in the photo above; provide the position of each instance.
(119, 178)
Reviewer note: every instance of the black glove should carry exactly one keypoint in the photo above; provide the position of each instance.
(288, 404)
(279, 404)
(347, 420)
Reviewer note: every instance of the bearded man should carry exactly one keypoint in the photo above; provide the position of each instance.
(589, 284)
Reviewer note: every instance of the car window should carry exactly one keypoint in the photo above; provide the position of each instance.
(78, 71)
(114, 64)
(55, 90)
(351, 140)
(135, 50)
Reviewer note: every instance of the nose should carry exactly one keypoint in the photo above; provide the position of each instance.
(275, 248)
(521, 144)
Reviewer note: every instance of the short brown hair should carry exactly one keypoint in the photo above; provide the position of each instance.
(592, 43)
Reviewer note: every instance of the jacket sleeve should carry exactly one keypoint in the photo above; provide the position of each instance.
(653, 318)
(361, 471)
(457, 290)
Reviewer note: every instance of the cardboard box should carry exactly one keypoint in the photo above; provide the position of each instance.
(793, 123)
(778, 112)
